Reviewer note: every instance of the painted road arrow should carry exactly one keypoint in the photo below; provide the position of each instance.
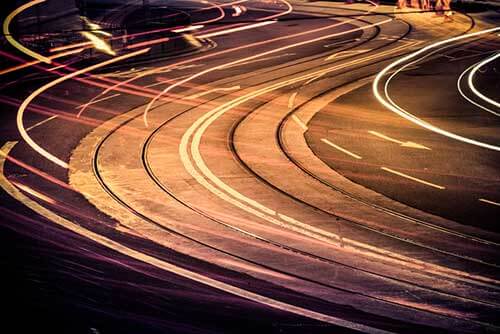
(409, 144)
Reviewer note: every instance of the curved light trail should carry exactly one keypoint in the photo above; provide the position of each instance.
(16, 44)
(462, 93)
(245, 59)
(20, 113)
(387, 102)
(470, 80)
(372, 252)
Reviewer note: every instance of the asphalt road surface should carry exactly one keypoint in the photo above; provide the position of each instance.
(250, 166)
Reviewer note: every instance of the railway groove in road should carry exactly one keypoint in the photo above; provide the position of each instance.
(448, 296)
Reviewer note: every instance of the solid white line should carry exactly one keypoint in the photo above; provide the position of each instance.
(291, 100)
(41, 122)
(412, 178)
(489, 202)
(299, 122)
(326, 141)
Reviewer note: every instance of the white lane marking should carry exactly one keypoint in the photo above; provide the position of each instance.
(299, 122)
(291, 100)
(41, 122)
(228, 89)
(409, 144)
(489, 202)
(412, 178)
(228, 31)
(341, 149)
(169, 267)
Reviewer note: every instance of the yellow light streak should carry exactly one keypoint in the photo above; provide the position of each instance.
(34, 62)
(98, 43)
(70, 46)
(409, 177)
(489, 202)
(29, 99)
(239, 61)
(228, 31)
(41, 122)
(341, 149)
(34, 193)
(190, 28)
(198, 95)
(16, 44)
(94, 27)
(391, 105)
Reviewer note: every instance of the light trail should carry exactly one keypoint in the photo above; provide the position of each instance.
(34, 193)
(341, 149)
(188, 28)
(198, 95)
(461, 92)
(16, 44)
(147, 43)
(20, 113)
(71, 46)
(288, 11)
(34, 62)
(41, 123)
(99, 43)
(169, 267)
(164, 68)
(241, 60)
(243, 28)
(470, 80)
(409, 177)
(489, 202)
(387, 102)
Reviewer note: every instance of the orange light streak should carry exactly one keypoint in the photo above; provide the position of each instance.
(34, 62)
(147, 43)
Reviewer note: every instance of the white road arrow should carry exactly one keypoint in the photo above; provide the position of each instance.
(409, 144)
